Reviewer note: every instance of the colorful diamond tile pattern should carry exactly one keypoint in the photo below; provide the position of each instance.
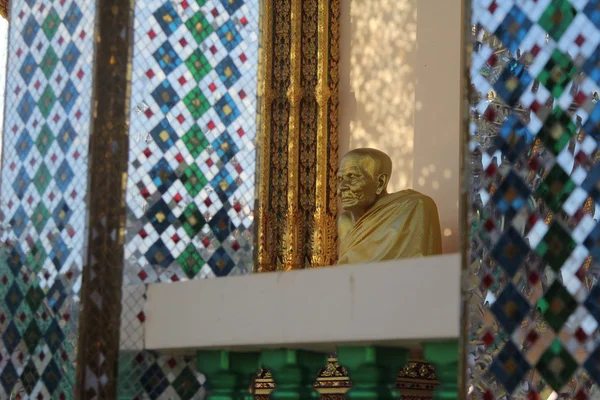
(535, 241)
(190, 190)
(42, 194)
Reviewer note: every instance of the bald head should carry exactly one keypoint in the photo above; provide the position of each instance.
(362, 179)
(374, 161)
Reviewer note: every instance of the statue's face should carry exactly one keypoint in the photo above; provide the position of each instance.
(357, 187)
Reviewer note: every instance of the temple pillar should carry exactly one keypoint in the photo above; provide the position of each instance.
(372, 370)
(444, 356)
(227, 373)
(293, 372)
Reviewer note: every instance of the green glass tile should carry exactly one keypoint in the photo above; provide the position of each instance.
(556, 246)
(44, 140)
(32, 336)
(201, 2)
(192, 220)
(34, 297)
(40, 217)
(49, 62)
(51, 24)
(556, 306)
(199, 27)
(557, 17)
(13, 299)
(557, 131)
(198, 65)
(556, 366)
(46, 101)
(194, 180)
(190, 261)
(42, 179)
(557, 73)
(186, 385)
(196, 103)
(556, 188)
(23, 316)
(195, 141)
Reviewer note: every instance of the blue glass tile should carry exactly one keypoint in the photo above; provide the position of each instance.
(227, 110)
(225, 147)
(229, 36)
(162, 175)
(228, 72)
(166, 97)
(167, 18)
(221, 225)
(28, 68)
(510, 308)
(220, 262)
(72, 18)
(26, 107)
(24, 145)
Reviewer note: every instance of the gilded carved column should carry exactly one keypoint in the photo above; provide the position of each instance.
(100, 318)
(296, 211)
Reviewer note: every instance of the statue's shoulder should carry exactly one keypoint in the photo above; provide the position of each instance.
(410, 197)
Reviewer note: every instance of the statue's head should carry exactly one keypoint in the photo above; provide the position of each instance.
(362, 179)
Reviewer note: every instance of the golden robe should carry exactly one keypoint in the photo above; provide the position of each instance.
(400, 225)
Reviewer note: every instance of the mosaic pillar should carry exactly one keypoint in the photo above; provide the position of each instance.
(44, 194)
(298, 142)
(372, 370)
(532, 142)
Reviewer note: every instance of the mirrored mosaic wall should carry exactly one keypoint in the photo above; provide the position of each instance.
(533, 154)
(190, 188)
(43, 190)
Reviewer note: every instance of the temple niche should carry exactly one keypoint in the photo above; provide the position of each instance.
(400, 93)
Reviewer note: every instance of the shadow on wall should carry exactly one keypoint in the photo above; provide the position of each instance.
(378, 82)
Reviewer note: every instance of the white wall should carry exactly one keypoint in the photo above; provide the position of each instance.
(400, 93)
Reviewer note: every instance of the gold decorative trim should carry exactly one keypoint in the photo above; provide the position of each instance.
(263, 262)
(4, 8)
(298, 144)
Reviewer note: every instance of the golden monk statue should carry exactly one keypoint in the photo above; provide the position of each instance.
(377, 225)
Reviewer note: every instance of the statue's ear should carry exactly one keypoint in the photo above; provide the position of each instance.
(382, 182)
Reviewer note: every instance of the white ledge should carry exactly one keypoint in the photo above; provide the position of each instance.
(397, 303)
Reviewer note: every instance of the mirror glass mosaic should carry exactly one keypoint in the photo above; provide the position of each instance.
(533, 158)
(190, 188)
(43, 195)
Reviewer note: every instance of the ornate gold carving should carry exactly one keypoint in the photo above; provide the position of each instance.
(332, 380)
(297, 148)
(4, 8)
(417, 380)
(263, 257)
(263, 384)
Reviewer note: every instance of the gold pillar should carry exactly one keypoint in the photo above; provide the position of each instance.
(99, 326)
(297, 145)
